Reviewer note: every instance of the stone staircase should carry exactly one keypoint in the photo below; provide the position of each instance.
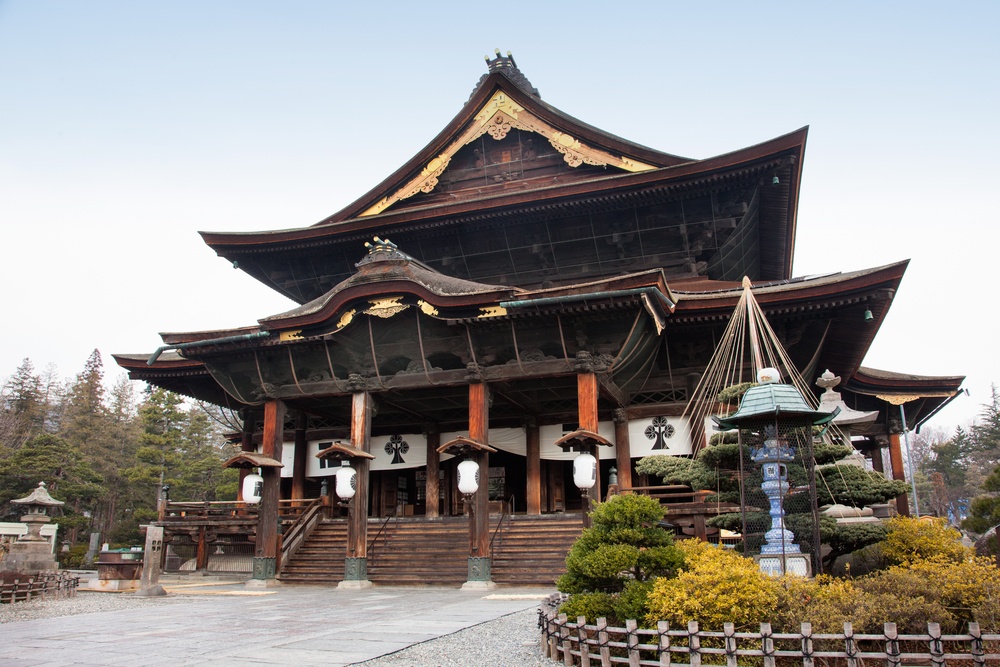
(528, 551)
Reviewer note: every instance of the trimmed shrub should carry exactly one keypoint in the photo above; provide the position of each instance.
(715, 586)
(914, 540)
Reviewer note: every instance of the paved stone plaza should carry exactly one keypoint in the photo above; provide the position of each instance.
(227, 624)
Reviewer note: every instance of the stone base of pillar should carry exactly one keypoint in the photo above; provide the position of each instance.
(355, 583)
(480, 573)
(151, 591)
(262, 583)
(264, 568)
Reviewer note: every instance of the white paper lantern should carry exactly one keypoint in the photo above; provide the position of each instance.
(584, 471)
(253, 488)
(347, 481)
(468, 477)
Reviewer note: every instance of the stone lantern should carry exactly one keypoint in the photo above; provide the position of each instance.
(32, 552)
(775, 423)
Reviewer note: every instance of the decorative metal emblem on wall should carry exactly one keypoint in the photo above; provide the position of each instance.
(397, 447)
(660, 430)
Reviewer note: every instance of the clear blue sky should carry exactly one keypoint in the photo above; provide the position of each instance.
(126, 127)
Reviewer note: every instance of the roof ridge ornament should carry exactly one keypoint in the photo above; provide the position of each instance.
(506, 66)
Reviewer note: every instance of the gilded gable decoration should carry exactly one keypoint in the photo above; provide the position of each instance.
(497, 118)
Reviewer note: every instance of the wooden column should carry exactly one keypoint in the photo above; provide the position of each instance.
(356, 563)
(266, 550)
(246, 445)
(299, 464)
(896, 460)
(432, 491)
(623, 449)
(586, 396)
(479, 427)
(534, 467)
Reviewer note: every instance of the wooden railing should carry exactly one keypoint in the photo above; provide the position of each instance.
(671, 493)
(206, 510)
(304, 523)
(40, 586)
(382, 531)
(578, 643)
(508, 510)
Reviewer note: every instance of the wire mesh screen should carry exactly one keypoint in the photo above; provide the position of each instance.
(779, 521)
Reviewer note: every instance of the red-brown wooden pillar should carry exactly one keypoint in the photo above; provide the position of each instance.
(299, 462)
(623, 449)
(534, 467)
(896, 461)
(480, 567)
(266, 549)
(356, 562)
(432, 491)
(586, 395)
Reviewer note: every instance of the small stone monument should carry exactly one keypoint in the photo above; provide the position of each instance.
(32, 553)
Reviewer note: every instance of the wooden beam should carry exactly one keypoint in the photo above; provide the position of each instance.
(623, 449)
(479, 430)
(267, 519)
(534, 467)
(612, 391)
(433, 489)
(299, 462)
(896, 460)
(586, 394)
(357, 530)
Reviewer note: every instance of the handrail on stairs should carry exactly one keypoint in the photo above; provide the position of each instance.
(296, 534)
(508, 510)
(382, 529)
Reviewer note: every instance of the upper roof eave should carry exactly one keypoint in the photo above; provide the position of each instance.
(790, 145)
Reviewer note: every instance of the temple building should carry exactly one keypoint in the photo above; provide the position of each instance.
(526, 288)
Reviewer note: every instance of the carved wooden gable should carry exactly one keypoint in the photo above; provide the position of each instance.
(503, 144)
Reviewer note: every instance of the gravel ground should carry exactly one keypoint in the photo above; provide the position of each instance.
(81, 603)
(509, 641)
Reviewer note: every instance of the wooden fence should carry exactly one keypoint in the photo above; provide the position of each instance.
(39, 586)
(600, 644)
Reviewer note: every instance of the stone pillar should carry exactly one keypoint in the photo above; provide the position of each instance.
(152, 563)
(432, 491)
(356, 561)
(266, 548)
(299, 462)
(480, 566)
(534, 467)
(623, 449)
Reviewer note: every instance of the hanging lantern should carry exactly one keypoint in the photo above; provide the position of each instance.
(347, 480)
(584, 471)
(468, 477)
(253, 488)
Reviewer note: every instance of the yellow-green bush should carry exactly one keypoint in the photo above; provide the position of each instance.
(714, 586)
(913, 540)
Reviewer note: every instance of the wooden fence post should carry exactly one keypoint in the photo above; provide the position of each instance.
(662, 628)
(767, 644)
(567, 643)
(935, 645)
(807, 644)
(730, 632)
(602, 642)
(632, 639)
(891, 645)
(850, 647)
(581, 631)
(977, 649)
